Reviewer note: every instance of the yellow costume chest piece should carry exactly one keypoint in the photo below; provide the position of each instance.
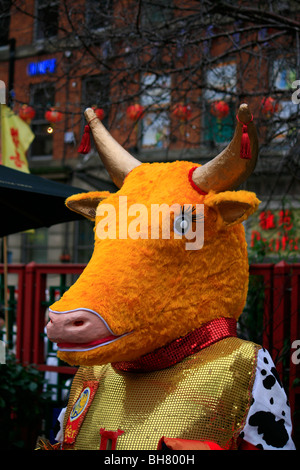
(204, 397)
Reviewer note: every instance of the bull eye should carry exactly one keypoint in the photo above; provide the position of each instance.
(182, 224)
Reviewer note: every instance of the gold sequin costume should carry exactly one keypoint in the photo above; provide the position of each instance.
(206, 396)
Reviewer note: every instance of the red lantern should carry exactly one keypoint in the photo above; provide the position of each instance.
(182, 112)
(99, 113)
(53, 116)
(135, 111)
(269, 106)
(219, 109)
(26, 113)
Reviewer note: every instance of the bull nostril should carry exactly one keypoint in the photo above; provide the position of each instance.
(78, 323)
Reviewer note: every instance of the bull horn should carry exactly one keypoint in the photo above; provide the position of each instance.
(115, 158)
(228, 170)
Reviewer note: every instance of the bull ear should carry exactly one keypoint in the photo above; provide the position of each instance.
(86, 203)
(232, 207)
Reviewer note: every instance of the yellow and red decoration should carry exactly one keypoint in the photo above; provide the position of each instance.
(79, 411)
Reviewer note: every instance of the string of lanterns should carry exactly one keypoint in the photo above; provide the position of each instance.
(134, 112)
(52, 115)
(220, 109)
(27, 113)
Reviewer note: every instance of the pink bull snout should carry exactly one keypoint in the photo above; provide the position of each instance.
(78, 329)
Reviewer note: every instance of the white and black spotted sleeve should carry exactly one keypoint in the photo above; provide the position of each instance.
(268, 425)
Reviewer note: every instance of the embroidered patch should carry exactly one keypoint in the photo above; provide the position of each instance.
(79, 411)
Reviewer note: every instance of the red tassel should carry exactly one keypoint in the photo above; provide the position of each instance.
(245, 144)
(85, 144)
(245, 151)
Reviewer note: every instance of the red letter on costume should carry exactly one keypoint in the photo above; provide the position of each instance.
(108, 439)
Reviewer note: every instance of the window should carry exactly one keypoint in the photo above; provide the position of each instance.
(4, 22)
(35, 246)
(83, 241)
(156, 98)
(283, 74)
(99, 14)
(42, 98)
(220, 86)
(96, 93)
(47, 15)
(160, 11)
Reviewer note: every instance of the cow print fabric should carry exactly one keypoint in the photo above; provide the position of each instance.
(268, 425)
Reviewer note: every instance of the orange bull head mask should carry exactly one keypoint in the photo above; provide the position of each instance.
(145, 287)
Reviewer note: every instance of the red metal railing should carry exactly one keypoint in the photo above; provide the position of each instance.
(281, 320)
(281, 326)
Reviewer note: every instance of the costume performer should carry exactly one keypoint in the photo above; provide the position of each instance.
(151, 321)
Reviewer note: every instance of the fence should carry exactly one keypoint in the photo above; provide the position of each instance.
(36, 286)
(281, 325)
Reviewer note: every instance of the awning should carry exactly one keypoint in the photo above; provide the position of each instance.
(28, 201)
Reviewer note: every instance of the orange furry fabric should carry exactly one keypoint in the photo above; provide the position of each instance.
(156, 289)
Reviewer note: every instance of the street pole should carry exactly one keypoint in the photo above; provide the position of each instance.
(4, 245)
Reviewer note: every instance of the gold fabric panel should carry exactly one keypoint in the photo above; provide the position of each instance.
(204, 397)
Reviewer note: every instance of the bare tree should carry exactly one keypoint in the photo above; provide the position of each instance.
(177, 59)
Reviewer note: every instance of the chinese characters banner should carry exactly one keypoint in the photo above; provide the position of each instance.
(279, 230)
(16, 136)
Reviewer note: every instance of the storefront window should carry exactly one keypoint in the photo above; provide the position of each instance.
(42, 98)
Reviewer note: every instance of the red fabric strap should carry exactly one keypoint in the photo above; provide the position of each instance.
(186, 444)
(177, 350)
(199, 190)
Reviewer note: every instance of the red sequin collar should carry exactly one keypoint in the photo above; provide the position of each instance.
(180, 348)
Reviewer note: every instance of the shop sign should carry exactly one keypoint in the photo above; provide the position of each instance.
(42, 67)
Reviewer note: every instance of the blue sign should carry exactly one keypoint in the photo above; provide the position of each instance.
(41, 68)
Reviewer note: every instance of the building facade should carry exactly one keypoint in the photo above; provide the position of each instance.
(187, 68)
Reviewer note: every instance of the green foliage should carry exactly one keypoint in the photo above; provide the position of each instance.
(22, 403)
(251, 320)
(258, 253)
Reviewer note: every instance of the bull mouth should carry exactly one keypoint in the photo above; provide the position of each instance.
(88, 346)
(63, 324)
